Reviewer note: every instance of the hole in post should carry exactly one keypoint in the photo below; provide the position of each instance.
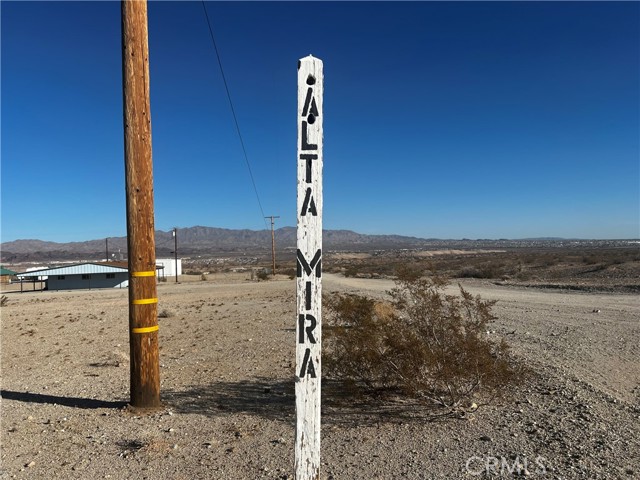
(311, 119)
(311, 80)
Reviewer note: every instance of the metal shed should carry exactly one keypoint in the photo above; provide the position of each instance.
(81, 276)
(6, 274)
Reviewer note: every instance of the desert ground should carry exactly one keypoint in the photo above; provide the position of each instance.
(226, 361)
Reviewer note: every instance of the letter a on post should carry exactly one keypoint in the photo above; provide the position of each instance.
(309, 268)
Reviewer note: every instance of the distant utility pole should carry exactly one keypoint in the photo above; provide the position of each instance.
(143, 300)
(273, 245)
(175, 249)
(106, 243)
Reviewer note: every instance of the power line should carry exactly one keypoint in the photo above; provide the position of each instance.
(233, 112)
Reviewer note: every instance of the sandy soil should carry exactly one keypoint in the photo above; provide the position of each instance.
(227, 347)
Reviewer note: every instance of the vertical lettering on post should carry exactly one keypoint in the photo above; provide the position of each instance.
(309, 269)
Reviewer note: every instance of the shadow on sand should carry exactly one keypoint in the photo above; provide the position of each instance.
(275, 400)
(64, 401)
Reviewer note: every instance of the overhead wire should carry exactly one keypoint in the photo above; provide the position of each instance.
(233, 112)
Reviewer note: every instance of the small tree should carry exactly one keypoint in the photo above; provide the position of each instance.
(424, 342)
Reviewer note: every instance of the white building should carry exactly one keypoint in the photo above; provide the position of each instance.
(83, 275)
(33, 269)
(169, 267)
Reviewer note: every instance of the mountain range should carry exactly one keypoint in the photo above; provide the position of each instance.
(199, 240)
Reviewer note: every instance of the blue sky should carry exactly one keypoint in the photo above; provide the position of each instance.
(448, 120)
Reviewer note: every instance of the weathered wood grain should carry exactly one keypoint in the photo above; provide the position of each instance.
(309, 268)
(143, 308)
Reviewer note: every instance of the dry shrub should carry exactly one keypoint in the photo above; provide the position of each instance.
(165, 313)
(289, 272)
(351, 271)
(486, 270)
(3, 301)
(425, 343)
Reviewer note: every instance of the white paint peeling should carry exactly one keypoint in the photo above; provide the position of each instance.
(309, 269)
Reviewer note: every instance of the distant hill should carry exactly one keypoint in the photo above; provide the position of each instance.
(200, 240)
(220, 241)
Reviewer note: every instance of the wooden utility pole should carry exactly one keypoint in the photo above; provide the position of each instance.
(273, 246)
(175, 249)
(309, 269)
(143, 300)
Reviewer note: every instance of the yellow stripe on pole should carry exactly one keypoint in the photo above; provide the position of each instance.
(143, 274)
(145, 301)
(145, 329)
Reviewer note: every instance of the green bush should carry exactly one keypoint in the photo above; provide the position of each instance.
(424, 343)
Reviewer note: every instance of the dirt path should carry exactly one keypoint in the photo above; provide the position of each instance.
(596, 337)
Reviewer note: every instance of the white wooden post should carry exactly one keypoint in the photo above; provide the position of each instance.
(309, 269)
